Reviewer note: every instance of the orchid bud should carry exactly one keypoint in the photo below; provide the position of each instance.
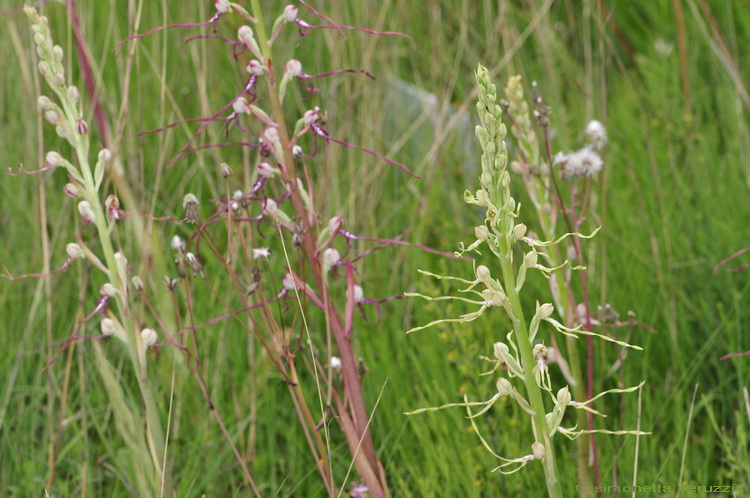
(54, 159)
(44, 103)
(538, 450)
(71, 191)
(108, 327)
(121, 260)
(482, 233)
(335, 224)
(501, 350)
(297, 151)
(61, 132)
(545, 311)
(149, 337)
(293, 68)
(108, 290)
(504, 387)
(519, 231)
(483, 274)
(245, 35)
(310, 117)
(530, 259)
(73, 93)
(359, 294)
(331, 257)
(105, 156)
(241, 106)
(81, 127)
(290, 13)
(52, 116)
(272, 134)
(57, 52)
(271, 207)
(288, 282)
(75, 251)
(563, 397)
(222, 6)
(85, 210)
(265, 170)
(254, 67)
(540, 352)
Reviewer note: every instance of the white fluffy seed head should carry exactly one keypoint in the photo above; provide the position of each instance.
(596, 135)
(261, 252)
(177, 243)
(335, 362)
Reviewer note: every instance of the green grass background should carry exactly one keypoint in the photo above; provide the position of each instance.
(673, 202)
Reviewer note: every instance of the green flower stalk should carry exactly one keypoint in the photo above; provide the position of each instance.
(67, 117)
(523, 355)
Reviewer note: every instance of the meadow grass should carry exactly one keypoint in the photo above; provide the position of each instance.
(673, 203)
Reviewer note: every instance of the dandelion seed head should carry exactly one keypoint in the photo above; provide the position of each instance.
(581, 164)
(596, 135)
(178, 244)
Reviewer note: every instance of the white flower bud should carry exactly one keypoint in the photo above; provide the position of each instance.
(82, 127)
(519, 231)
(359, 294)
(288, 282)
(71, 191)
(52, 116)
(293, 68)
(331, 257)
(504, 387)
(57, 52)
(545, 311)
(501, 350)
(482, 233)
(297, 151)
(226, 171)
(271, 207)
(85, 209)
(75, 251)
(310, 117)
(335, 224)
(335, 362)
(44, 103)
(483, 274)
(149, 337)
(73, 93)
(54, 159)
(105, 156)
(254, 67)
(563, 397)
(265, 170)
(245, 35)
(290, 13)
(272, 134)
(538, 450)
(121, 260)
(108, 290)
(241, 106)
(222, 6)
(137, 283)
(108, 327)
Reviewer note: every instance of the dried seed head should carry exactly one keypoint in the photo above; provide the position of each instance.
(85, 209)
(171, 283)
(108, 290)
(54, 159)
(290, 13)
(137, 283)
(504, 387)
(195, 263)
(108, 327)
(190, 205)
(75, 251)
(71, 191)
(149, 337)
(178, 244)
(293, 68)
(596, 135)
(581, 164)
(226, 171)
